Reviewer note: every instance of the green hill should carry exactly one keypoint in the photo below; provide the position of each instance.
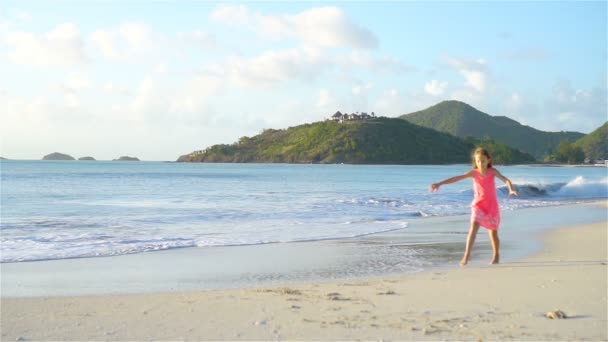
(501, 153)
(462, 120)
(595, 144)
(376, 141)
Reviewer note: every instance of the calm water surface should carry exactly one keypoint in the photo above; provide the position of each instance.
(74, 209)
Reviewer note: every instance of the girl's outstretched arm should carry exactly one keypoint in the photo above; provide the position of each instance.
(506, 181)
(435, 186)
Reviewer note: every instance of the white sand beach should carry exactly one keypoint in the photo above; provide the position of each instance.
(507, 302)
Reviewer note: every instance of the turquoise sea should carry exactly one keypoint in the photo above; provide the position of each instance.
(79, 227)
(77, 209)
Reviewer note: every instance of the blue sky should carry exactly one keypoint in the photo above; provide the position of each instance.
(160, 79)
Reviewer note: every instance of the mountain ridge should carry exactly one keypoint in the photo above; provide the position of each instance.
(461, 119)
(378, 140)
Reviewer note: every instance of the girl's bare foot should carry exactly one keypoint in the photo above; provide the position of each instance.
(464, 261)
(495, 260)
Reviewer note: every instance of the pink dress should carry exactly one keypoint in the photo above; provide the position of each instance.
(484, 208)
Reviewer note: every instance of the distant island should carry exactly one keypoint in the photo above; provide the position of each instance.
(57, 156)
(358, 140)
(126, 158)
(86, 158)
(2, 158)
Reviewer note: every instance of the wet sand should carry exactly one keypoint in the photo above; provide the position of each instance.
(507, 302)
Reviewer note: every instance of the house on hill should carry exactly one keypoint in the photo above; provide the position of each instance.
(339, 117)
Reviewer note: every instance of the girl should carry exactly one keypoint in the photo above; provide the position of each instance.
(484, 209)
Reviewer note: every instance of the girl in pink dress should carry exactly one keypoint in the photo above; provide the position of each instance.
(484, 208)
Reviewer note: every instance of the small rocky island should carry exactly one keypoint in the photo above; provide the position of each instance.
(86, 158)
(57, 156)
(126, 158)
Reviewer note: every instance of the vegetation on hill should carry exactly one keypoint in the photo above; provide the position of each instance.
(376, 141)
(501, 153)
(462, 120)
(567, 152)
(595, 144)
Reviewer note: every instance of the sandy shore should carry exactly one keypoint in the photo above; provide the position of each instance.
(506, 301)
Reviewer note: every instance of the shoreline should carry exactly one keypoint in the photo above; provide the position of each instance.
(427, 244)
(538, 164)
(505, 301)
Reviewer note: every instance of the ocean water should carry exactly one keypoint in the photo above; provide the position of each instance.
(89, 209)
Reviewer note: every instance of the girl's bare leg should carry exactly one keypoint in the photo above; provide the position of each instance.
(495, 246)
(470, 241)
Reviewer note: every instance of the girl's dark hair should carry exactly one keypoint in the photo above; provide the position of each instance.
(481, 151)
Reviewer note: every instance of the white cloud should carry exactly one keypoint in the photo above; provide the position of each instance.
(193, 102)
(21, 15)
(389, 103)
(105, 42)
(576, 109)
(54, 114)
(364, 59)
(516, 101)
(361, 97)
(521, 108)
(314, 30)
(71, 99)
(137, 35)
(295, 64)
(76, 81)
(12, 18)
(329, 27)
(147, 106)
(149, 102)
(142, 101)
(475, 73)
(112, 88)
(326, 100)
(475, 79)
(274, 66)
(362, 89)
(435, 87)
(565, 109)
(394, 102)
(232, 15)
(326, 27)
(127, 42)
(18, 112)
(202, 39)
(160, 68)
(62, 46)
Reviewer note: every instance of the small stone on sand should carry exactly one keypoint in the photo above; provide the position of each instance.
(557, 314)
